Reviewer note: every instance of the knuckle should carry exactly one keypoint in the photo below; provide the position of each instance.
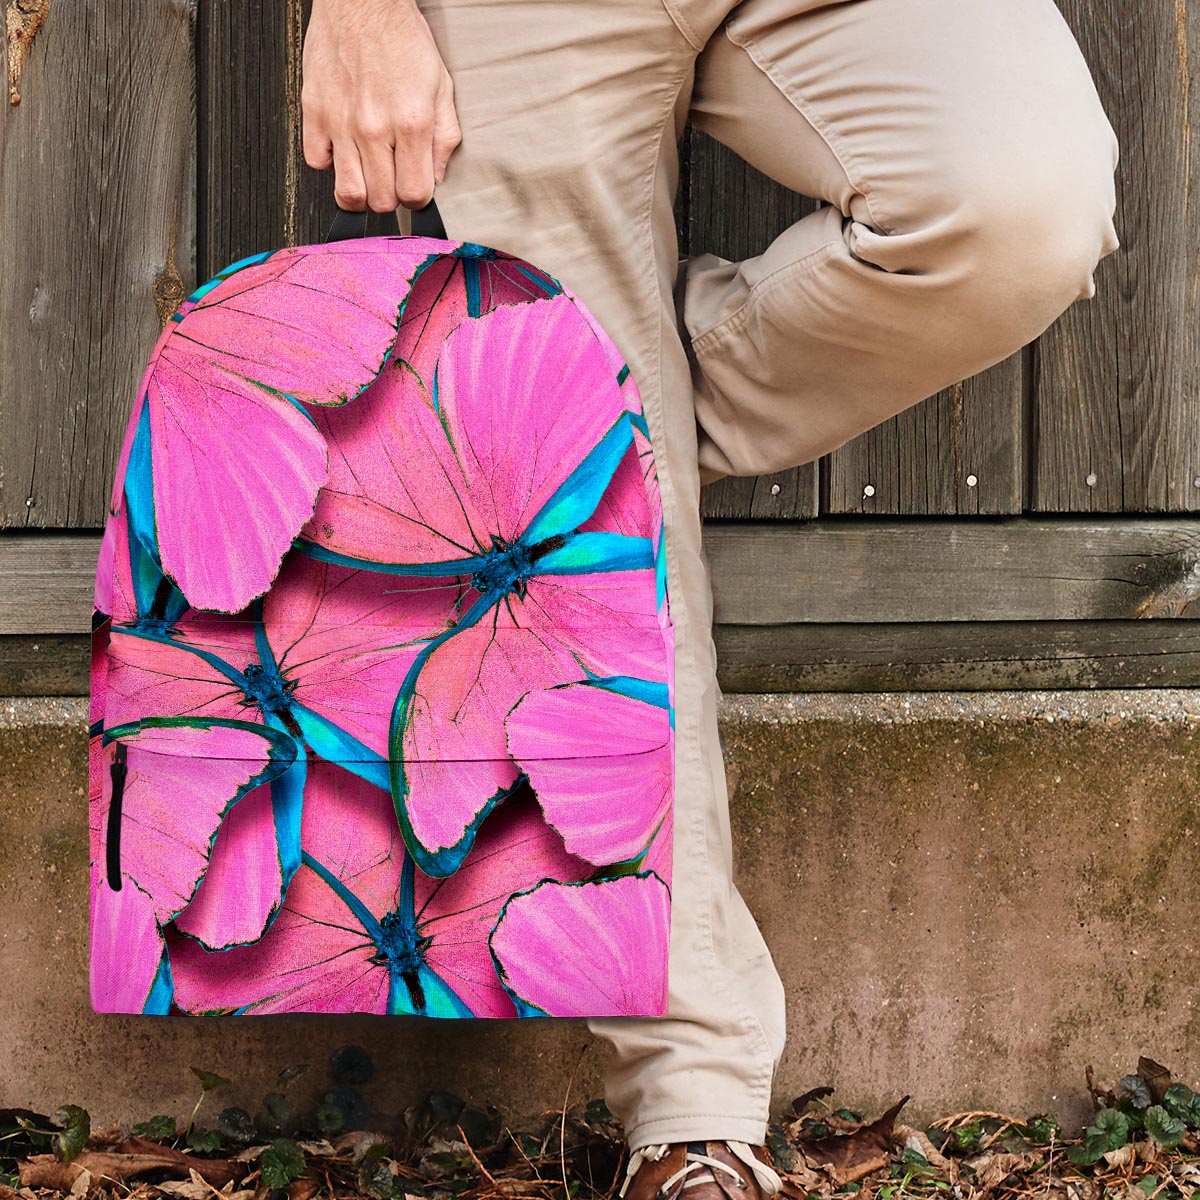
(350, 195)
(416, 120)
(372, 127)
(383, 202)
(412, 196)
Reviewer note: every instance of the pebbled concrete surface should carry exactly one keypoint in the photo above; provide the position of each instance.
(971, 896)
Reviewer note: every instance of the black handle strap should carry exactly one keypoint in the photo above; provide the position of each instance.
(426, 222)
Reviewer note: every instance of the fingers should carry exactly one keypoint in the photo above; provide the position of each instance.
(413, 161)
(349, 183)
(377, 153)
(447, 134)
(318, 148)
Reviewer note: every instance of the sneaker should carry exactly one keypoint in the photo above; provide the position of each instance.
(703, 1170)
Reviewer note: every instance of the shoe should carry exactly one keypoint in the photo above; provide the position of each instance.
(705, 1170)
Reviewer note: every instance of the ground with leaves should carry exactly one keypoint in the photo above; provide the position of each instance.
(1143, 1142)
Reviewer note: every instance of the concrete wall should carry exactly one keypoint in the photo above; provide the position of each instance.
(970, 896)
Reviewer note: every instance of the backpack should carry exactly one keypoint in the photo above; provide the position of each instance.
(382, 676)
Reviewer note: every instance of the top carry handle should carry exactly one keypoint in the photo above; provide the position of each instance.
(426, 222)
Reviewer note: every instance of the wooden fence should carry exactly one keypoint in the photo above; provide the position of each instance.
(1014, 530)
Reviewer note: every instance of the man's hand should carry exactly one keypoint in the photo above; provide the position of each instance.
(378, 103)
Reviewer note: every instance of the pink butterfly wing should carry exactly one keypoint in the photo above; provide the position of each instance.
(600, 764)
(243, 885)
(524, 398)
(236, 463)
(165, 843)
(590, 949)
(316, 956)
(515, 850)
(348, 637)
(455, 758)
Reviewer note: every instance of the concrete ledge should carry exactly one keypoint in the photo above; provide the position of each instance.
(969, 895)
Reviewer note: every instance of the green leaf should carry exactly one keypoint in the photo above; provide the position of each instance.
(274, 1115)
(1087, 1152)
(281, 1162)
(1180, 1101)
(75, 1125)
(157, 1129)
(967, 1137)
(1148, 1184)
(209, 1080)
(1111, 1126)
(236, 1125)
(353, 1065)
(330, 1118)
(1108, 1131)
(206, 1141)
(1136, 1089)
(1043, 1129)
(375, 1173)
(1165, 1129)
(288, 1074)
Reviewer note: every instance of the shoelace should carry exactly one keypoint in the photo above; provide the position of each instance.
(768, 1179)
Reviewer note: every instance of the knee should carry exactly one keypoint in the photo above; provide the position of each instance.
(1010, 237)
(1024, 234)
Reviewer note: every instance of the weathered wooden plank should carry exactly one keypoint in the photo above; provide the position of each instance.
(257, 193)
(956, 453)
(54, 665)
(1012, 569)
(735, 211)
(1008, 569)
(46, 583)
(957, 656)
(1118, 382)
(97, 170)
(951, 656)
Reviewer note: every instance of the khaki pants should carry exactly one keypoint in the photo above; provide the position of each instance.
(967, 166)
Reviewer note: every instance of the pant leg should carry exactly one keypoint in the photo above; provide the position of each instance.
(570, 112)
(968, 168)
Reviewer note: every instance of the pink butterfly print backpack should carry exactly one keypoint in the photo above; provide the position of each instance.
(382, 669)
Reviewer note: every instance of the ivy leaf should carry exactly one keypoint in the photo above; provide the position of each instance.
(1111, 1125)
(1165, 1129)
(75, 1126)
(206, 1141)
(209, 1080)
(352, 1065)
(281, 1162)
(1108, 1131)
(1180, 1101)
(288, 1074)
(157, 1129)
(236, 1125)
(274, 1116)
(1136, 1089)
(375, 1173)
(330, 1118)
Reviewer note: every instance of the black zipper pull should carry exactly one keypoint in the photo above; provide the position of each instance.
(112, 840)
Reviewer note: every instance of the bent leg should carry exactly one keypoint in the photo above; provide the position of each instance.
(968, 168)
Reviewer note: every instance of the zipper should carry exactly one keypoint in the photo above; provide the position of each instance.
(112, 842)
